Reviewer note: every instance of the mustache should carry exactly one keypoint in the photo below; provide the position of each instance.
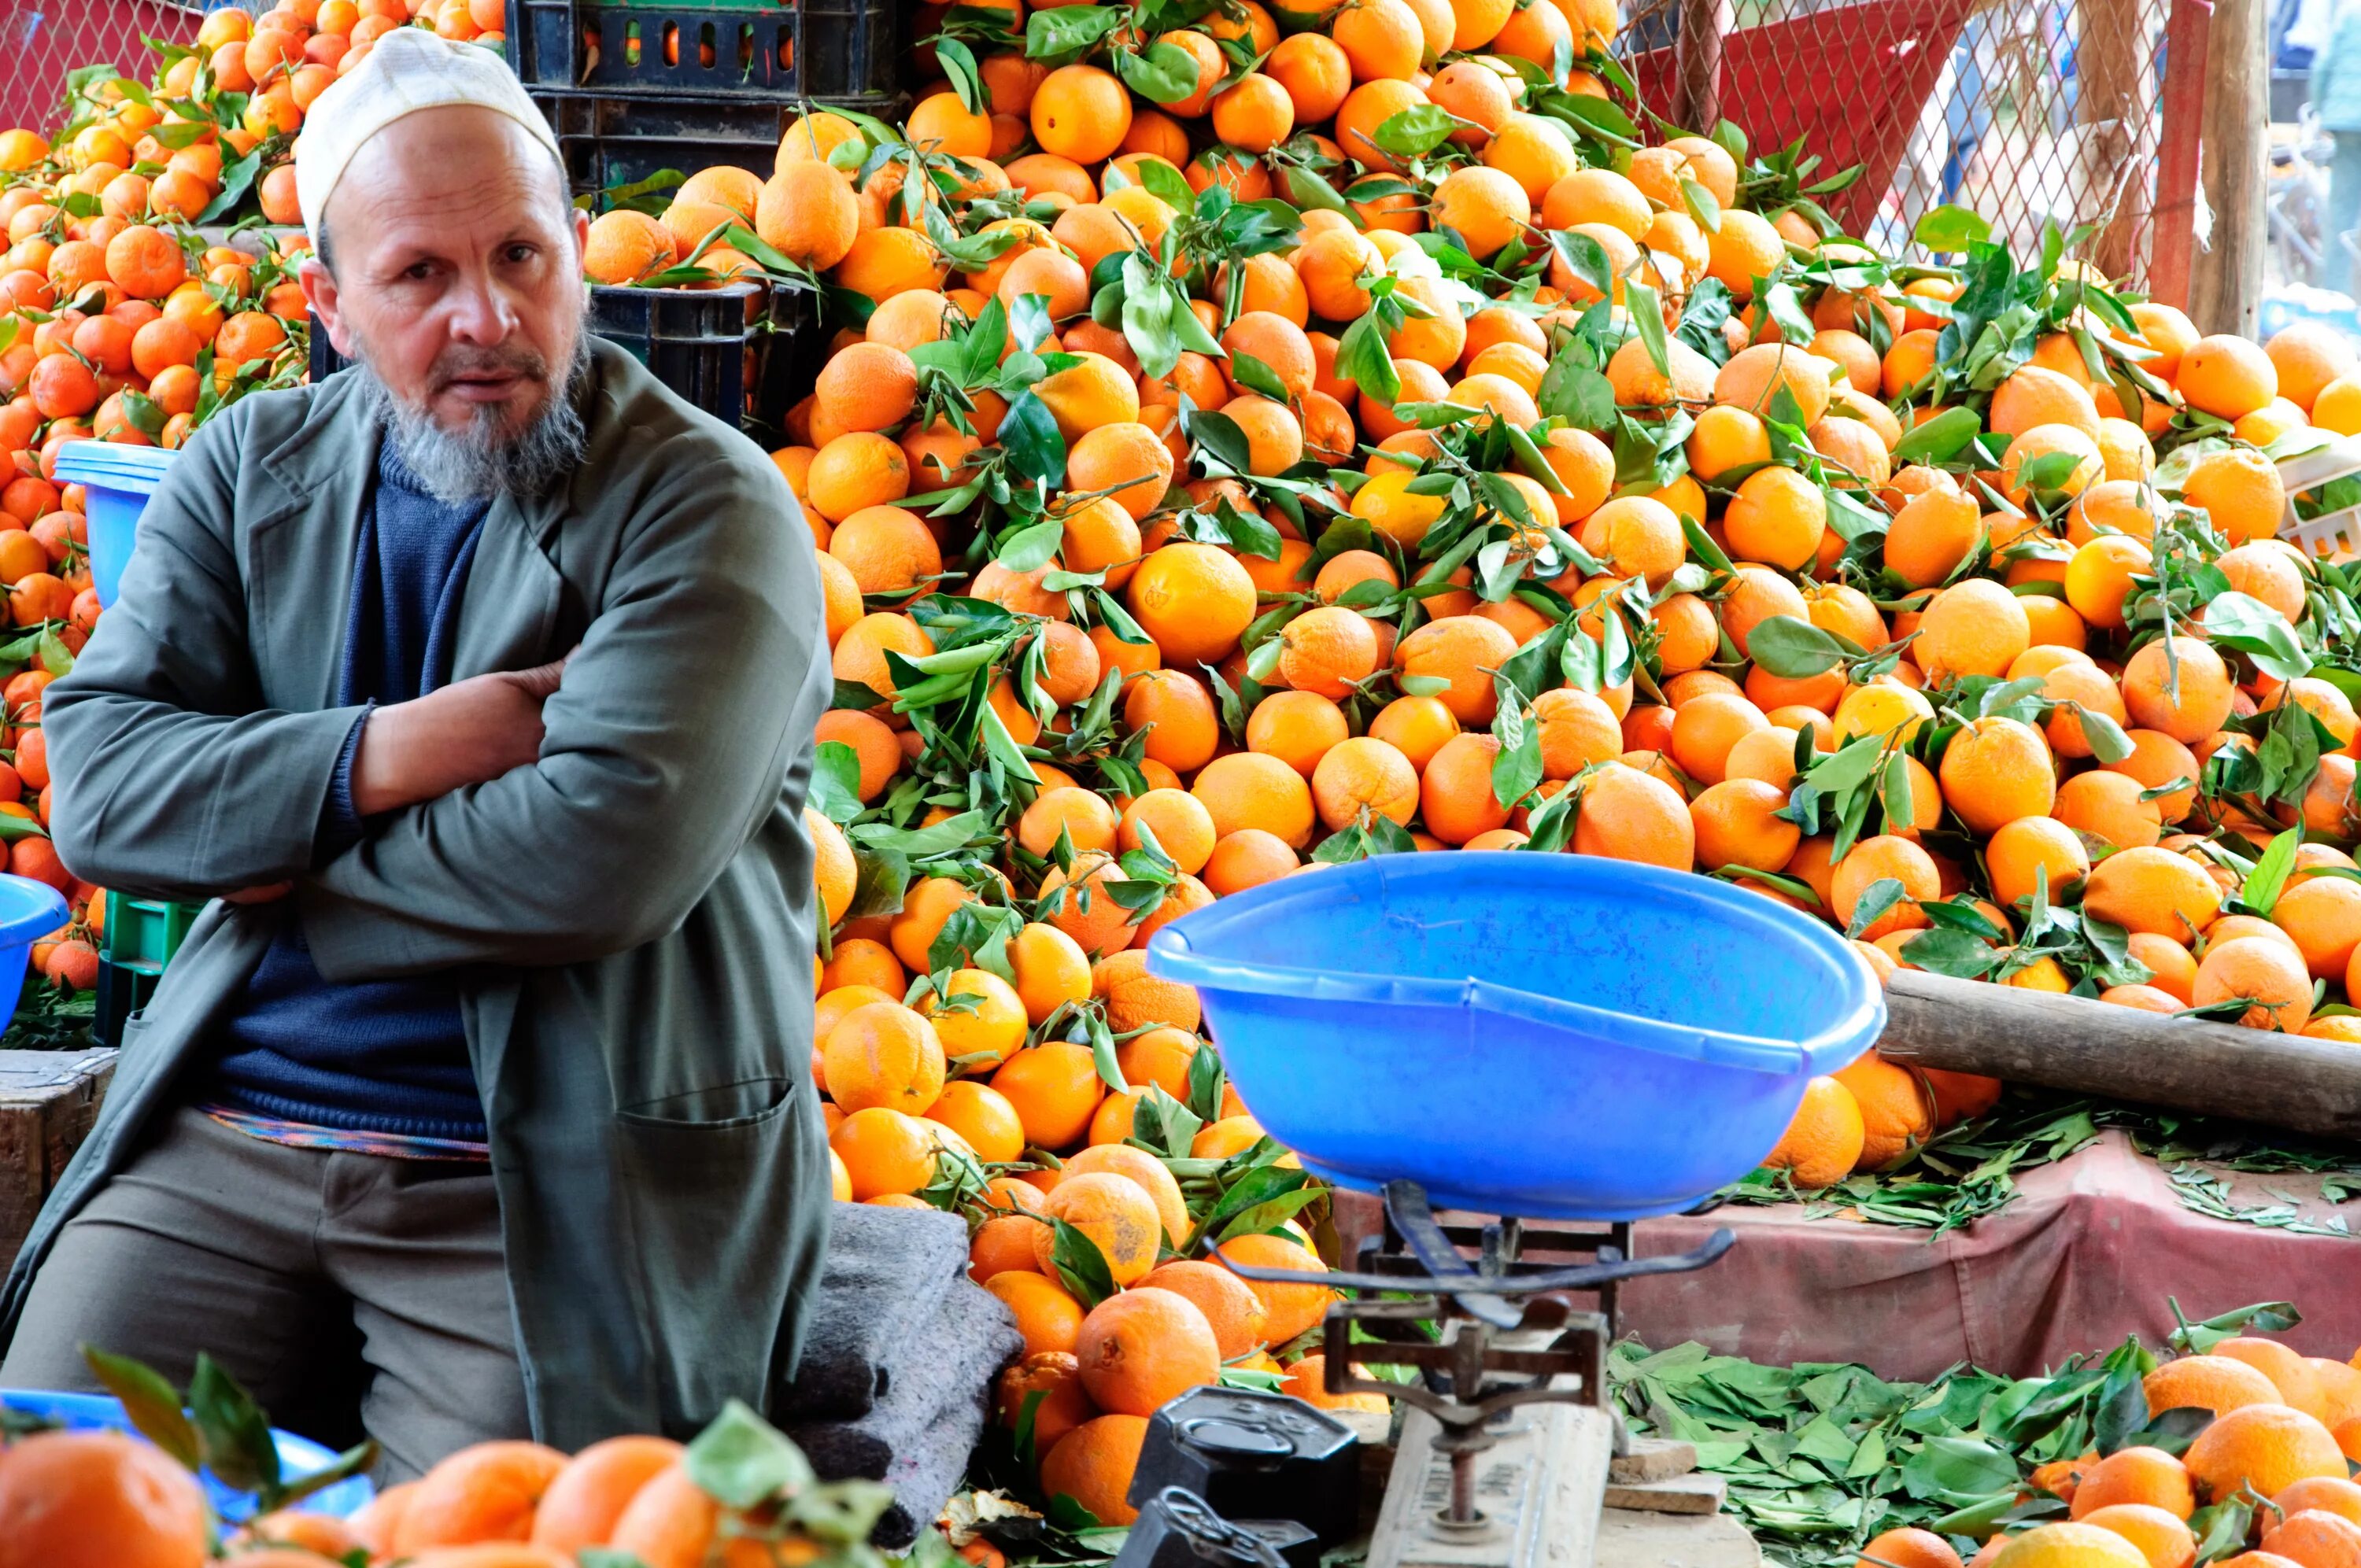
(468, 359)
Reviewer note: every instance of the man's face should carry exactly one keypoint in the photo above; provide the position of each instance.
(457, 271)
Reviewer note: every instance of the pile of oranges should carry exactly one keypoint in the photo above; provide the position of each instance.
(211, 136)
(96, 1500)
(2268, 1444)
(1258, 446)
(118, 321)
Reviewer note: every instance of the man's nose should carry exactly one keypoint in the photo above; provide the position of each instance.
(480, 311)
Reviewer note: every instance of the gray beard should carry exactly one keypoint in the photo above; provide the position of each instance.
(480, 460)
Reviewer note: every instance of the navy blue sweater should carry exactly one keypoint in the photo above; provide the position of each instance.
(387, 1057)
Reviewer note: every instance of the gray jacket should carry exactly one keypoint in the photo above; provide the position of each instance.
(633, 916)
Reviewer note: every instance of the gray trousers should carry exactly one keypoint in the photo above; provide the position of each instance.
(2343, 213)
(349, 1293)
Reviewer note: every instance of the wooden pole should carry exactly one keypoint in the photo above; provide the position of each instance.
(2226, 281)
(2072, 1043)
(2112, 54)
(1696, 62)
(2187, 34)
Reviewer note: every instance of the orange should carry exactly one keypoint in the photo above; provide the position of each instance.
(1908, 1547)
(2226, 376)
(1080, 111)
(1897, 1111)
(2240, 491)
(2215, 1383)
(885, 1152)
(1193, 600)
(1882, 859)
(1057, 1377)
(1049, 1319)
(2068, 1546)
(488, 1491)
(1628, 815)
(1462, 650)
(2161, 1537)
(1094, 1464)
(99, 1500)
(1823, 1142)
(2187, 700)
(1290, 1308)
(2324, 915)
(2108, 806)
(1144, 1346)
(624, 247)
(1247, 859)
(2325, 1494)
(1143, 1170)
(983, 1117)
(1136, 999)
(2140, 1475)
(1055, 1087)
(1973, 627)
(588, 1496)
(1996, 771)
(1327, 651)
(2269, 973)
(2269, 1447)
(1235, 1312)
(1114, 1213)
(2154, 891)
(2288, 1371)
(2316, 1539)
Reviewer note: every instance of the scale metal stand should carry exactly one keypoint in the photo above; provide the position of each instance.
(1504, 1452)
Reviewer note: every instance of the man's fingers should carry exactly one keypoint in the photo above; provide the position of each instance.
(270, 893)
(541, 680)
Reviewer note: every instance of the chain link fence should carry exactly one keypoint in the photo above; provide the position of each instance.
(2023, 110)
(41, 40)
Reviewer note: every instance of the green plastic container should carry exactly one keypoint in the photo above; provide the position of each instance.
(142, 935)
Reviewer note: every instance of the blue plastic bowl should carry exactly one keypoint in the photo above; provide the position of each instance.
(1549, 1035)
(116, 481)
(298, 1456)
(29, 910)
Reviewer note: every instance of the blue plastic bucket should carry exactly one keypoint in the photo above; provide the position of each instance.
(116, 481)
(298, 1456)
(29, 910)
(1548, 1035)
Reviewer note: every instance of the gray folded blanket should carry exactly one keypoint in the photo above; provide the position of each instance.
(885, 1276)
(920, 1432)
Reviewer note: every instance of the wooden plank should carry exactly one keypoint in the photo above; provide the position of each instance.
(1538, 1488)
(2227, 282)
(48, 1101)
(2072, 1043)
(1632, 1539)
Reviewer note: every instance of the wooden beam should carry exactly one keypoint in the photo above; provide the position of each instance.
(2072, 1043)
(48, 1101)
(2226, 281)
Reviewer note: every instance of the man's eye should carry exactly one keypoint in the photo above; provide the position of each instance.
(418, 271)
(522, 253)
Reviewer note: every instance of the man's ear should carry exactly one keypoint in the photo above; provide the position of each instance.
(318, 286)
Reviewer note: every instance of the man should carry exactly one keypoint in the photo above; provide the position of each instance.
(484, 1083)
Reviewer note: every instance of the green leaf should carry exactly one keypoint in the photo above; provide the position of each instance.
(836, 782)
(1029, 434)
(1031, 548)
(1266, 1217)
(152, 1404)
(1797, 649)
(1362, 359)
(231, 1428)
(1951, 1468)
(1875, 900)
(1416, 131)
(2261, 891)
(1950, 228)
(1065, 31)
(1256, 377)
(1166, 72)
(2257, 630)
(1080, 1265)
(1940, 438)
(741, 1460)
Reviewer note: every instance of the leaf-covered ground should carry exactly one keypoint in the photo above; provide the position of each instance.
(1821, 1456)
(1971, 1171)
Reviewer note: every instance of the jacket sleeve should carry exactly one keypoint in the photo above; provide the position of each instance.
(666, 746)
(171, 780)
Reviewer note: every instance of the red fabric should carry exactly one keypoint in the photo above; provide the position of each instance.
(2089, 1251)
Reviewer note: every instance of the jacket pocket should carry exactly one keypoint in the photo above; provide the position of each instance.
(728, 1193)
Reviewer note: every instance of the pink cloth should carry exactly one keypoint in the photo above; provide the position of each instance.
(2091, 1251)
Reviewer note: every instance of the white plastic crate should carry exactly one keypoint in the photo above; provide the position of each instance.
(2332, 532)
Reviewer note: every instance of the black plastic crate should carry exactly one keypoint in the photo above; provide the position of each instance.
(608, 140)
(814, 48)
(742, 353)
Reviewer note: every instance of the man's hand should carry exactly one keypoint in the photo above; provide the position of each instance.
(469, 732)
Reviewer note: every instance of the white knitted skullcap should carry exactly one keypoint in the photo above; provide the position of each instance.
(407, 69)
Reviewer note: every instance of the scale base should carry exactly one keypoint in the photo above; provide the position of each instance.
(1538, 1488)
